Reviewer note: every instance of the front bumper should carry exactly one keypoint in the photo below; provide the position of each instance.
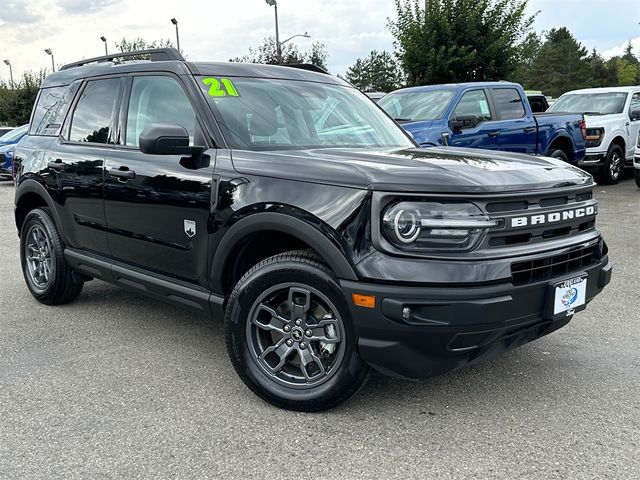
(451, 327)
(595, 159)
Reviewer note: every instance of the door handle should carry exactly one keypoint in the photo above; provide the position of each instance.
(122, 173)
(57, 165)
(529, 129)
(493, 134)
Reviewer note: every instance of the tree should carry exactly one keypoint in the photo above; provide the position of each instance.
(291, 54)
(603, 74)
(459, 40)
(379, 72)
(141, 44)
(16, 103)
(527, 53)
(562, 64)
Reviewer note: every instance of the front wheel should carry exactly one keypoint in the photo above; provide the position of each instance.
(290, 336)
(611, 171)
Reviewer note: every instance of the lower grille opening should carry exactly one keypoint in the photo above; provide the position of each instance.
(545, 269)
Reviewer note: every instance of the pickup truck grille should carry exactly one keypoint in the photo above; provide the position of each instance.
(544, 269)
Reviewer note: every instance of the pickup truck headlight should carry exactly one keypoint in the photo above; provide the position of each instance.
(594, 137)
(430, 226)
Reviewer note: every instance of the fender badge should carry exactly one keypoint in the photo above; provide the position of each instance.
(190, 228)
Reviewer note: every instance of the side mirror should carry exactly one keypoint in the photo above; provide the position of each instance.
(163, 139)
(463, 121)
(635, 115)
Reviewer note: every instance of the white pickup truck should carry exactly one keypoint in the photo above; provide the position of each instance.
(612, 116)
(636, 162)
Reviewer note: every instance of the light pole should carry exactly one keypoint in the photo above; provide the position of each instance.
(304, 35)
(274, 3)
(104, 39)
(48, 51)
(175, 22)
(7, 62)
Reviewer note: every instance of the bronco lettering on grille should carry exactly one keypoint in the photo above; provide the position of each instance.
(554, 217)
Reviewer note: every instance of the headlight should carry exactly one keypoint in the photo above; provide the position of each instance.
(594, 137)
(434, 226)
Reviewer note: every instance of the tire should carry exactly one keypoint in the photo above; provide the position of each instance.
(611, 171)
(559, 154)
(44, 267)
(276, 319)
(637, 175)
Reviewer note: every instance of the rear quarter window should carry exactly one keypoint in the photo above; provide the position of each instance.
(508, 103)
(50, 109)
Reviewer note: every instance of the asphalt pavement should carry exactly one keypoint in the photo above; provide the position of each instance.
(116, 385)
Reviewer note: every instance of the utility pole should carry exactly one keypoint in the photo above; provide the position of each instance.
(48, 51)
(7, 62)
(274, 3)
(104, 39)
(175, 22)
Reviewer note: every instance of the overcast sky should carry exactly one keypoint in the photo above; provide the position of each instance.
(221, 29)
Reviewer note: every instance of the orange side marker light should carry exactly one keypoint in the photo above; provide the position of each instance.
(366, 301)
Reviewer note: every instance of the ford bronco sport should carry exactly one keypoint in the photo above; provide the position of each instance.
(286, 202)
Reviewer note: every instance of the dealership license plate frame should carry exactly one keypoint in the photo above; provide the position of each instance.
(558, 288)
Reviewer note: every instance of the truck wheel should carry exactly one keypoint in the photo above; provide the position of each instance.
(45, 269)
(637, 177)
(290, 336)
(612, 169)
(557, 153)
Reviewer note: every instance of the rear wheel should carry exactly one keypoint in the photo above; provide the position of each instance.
(559, 154)
(611, 171)
(290, 335)
(44, 267)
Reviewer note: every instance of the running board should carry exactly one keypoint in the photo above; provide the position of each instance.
(157, 286)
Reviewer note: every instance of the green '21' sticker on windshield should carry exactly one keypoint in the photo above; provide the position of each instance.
(220, 87)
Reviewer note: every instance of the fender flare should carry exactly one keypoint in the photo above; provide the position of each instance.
(32, 186)
(279, 222)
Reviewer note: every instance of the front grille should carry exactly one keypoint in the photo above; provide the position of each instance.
(545, 269)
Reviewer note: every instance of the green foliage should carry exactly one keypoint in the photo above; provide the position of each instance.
(379, 72)
(562, 64)
(16, 103)
(459, 40)
(136, 44)
(267, 53)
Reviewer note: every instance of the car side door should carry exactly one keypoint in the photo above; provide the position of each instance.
(158, 206)
(634, 124)
(515, 126)
(474, 103)
(74, 164)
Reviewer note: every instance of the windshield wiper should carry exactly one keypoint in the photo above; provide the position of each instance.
(592, 113)
(400, 119)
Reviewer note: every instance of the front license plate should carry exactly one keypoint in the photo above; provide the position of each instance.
(569, 295)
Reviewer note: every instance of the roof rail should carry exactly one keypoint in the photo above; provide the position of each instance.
(306, 66)
(156, 54)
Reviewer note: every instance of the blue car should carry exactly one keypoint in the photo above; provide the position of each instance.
(7, 146)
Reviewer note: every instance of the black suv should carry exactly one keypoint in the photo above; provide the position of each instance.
(287, 202)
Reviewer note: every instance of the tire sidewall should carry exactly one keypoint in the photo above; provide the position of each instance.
(560, 155)
(606, 172)
(247, 292)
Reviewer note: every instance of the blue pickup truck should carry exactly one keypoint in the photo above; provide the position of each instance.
(490, 115)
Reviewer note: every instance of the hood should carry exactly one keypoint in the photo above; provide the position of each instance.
(605, 120)
(436, 169)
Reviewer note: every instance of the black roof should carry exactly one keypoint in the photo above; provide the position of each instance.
(95, 67)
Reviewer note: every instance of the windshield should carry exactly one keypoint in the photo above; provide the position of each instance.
(14, 134)
(414, 106)
(271, 114)
(605, 103)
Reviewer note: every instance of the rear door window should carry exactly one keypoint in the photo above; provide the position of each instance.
(508, 103)
(92, 117)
